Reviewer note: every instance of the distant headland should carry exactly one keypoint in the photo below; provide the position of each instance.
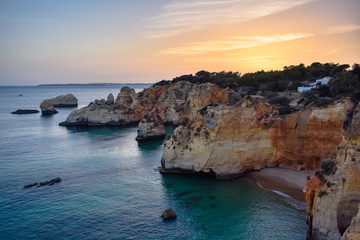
(95, 84)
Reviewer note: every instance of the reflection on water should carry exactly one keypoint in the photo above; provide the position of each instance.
(111, 188)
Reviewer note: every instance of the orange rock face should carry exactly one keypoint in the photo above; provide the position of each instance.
(333, 194)
(303, 139)
(230, 140)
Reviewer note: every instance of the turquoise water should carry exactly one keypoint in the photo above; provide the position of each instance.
(111, 187)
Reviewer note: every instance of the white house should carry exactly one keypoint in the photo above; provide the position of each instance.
(323, 81)
(303, 89)
(316, 84)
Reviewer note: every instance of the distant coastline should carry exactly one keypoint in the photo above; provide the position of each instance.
(95, 84)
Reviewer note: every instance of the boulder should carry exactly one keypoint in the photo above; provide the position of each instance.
(67, 100)
(47, 107)
(25, 111)
(169, 214)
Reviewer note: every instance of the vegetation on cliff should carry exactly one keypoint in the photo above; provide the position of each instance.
(344, 82)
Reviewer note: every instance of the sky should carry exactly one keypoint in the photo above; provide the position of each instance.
(140, 41)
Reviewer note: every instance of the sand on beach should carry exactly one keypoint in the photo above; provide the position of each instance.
(289, 182)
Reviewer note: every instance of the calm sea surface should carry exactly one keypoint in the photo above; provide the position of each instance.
(111, 188)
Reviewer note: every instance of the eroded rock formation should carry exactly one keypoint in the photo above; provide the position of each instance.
(333, 193)
(229, 140)
(174, 104)
(125, 110)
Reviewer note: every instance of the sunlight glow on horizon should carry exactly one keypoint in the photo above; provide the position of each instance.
(147, 41)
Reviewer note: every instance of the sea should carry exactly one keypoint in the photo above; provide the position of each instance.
(111, 187)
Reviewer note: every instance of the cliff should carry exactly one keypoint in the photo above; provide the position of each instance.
(229, 140)
(333, 193)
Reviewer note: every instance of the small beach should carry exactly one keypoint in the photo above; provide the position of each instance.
(289, 182)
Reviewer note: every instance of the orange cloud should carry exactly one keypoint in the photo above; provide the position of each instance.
(232, 43)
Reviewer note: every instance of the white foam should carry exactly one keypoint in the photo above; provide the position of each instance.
(281, 194)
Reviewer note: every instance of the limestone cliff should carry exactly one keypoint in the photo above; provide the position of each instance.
(333, 193)
(229, 140)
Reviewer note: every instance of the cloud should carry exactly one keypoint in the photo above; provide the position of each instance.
(342, 29)
(236, 42)
(183, 16)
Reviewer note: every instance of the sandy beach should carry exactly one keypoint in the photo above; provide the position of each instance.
(289, 182)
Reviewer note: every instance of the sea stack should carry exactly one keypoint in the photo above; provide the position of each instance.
(47, 107)
(67, 100)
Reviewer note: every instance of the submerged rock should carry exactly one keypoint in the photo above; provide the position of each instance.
(169, 214)
(46, 183)
(47, 107)
(67, 100)
(30, 185)
(51, 182)
(25, 111)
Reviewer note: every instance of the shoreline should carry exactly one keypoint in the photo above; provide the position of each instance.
(285, 181)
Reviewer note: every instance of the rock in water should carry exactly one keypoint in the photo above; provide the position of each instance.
(67, 100)
(169, 214)
(151, 127)
(46, 183)
(30, 185)
(47, 107)
(51, 182)
(25, 111)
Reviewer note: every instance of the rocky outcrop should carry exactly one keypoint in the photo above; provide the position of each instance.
(228, 140)
(333, 193)
(150, 127)
(47, 107)
(25, 111)
(174, 104)
(125, 110)
(67, 100)
(181, 101)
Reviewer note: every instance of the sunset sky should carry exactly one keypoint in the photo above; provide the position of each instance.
(87, 41)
